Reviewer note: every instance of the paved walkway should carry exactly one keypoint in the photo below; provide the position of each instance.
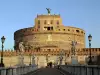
(48, 71)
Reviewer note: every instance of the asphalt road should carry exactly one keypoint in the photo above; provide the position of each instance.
(47, 71)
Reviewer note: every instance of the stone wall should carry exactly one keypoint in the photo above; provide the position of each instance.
(11, 57)
(62, 40)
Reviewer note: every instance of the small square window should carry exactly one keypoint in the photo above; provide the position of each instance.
(64, 29)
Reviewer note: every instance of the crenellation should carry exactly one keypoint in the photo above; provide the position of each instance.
(46, 16)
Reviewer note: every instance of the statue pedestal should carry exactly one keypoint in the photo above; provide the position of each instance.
(33, 60)
(74, 60)
(20, 55)
(20, 60)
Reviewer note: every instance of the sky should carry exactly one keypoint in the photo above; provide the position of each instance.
(18, 14)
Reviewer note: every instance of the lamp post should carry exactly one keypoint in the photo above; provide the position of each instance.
(30, 53)
(30, 59)
(2, 40)
(47, 58)
(90, 59)
(65, 58)
(37, 60)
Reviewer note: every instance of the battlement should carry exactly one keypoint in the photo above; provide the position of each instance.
(83, 51)
(46, 16)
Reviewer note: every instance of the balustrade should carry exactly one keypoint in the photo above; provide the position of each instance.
(17, 70)
(81, 69)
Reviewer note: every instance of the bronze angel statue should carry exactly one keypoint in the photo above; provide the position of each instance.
(48, 9)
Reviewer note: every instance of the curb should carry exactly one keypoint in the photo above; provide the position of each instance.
(63, 72)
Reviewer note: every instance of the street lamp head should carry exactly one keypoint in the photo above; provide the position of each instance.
(89, 37)
(3, 39)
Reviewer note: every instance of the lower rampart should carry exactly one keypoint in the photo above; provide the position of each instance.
(11, 57)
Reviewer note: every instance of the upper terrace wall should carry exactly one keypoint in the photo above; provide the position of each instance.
(64, 29)
(62, 34)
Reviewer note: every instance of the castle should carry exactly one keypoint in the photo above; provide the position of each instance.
(46, 39)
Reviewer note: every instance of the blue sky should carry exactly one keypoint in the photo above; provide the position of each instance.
(17, 14)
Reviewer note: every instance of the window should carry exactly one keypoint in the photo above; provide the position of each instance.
(84, 50)
(38, 21)
(51, 21)
(49, 50)
(48, 28)
(81, 31)
(64, 29)
(57, 22)
(68, 29)
(77, 31)
(24, 31)
(45, 22)
(51, 28)
(57, 26)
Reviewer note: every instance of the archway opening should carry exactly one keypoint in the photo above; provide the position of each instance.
(49, 64)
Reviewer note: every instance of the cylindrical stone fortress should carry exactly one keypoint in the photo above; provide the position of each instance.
(49, 31)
